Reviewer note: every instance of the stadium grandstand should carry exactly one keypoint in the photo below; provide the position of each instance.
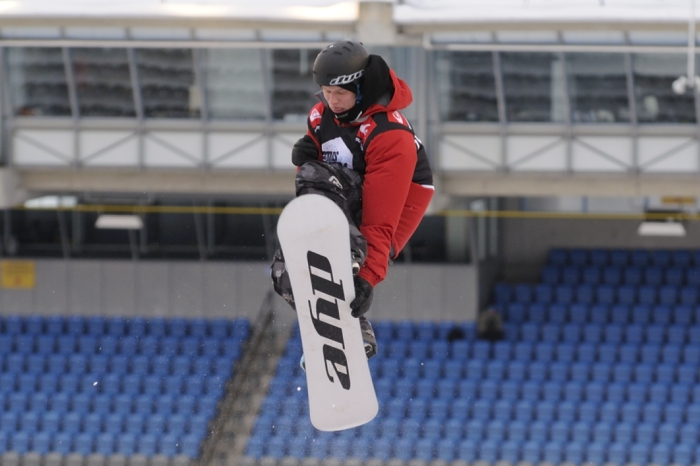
(546, 312)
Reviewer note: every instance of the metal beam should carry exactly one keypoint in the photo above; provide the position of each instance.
(501, 106)
(4, 106)
(576, 184)
(73, 99)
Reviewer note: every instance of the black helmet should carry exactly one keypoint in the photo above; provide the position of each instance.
(340, 63)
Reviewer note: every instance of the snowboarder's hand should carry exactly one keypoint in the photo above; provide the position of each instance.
(304, 151)
(363, 296)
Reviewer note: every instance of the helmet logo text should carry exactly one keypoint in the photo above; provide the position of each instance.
(345, 79)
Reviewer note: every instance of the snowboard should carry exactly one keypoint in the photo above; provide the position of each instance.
(314, 237)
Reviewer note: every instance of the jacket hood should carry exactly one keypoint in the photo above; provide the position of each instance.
(389, 102)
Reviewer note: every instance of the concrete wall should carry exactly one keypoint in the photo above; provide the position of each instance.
(222, 289)
(526, 242)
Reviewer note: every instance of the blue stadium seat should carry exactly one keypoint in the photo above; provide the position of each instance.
(537, 371)
(550, 332)
(96, 325)
(668, 295)
(605, 294)
(536, 312)
(502, 293)
(570, 275)
(551, 274)
(599, 257)
(661, 314)
(530, 332)
(592, 275)
(601, 432)
(523, 410)
(558, 257)
(543, 293)
(75, 325)
(592, 333)
(146, 444)
(618, 452)
(615, 392)
(639, 453)
(688, 295)
(626, 296)
(92, 422)
(571, 333)
(692, 276)
(632, 275)
(681, 258)
(108, 344)
(595, 453)
(553, 452)
(578, 257)
(612, 275)
(516, 431)
(586, 352)
(585, 293)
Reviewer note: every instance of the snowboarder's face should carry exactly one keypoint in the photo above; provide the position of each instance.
(339, 100)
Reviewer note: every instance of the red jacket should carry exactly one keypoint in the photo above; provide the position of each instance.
(397, 185)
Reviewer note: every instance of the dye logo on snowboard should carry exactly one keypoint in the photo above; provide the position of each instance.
(314, 236)
(335, 357)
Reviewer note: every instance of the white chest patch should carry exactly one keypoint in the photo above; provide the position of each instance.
(335, 151)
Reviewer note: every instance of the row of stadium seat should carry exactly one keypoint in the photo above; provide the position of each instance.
(87, 443)
(471, 450)
(111, 345)
(111, 384)
(482, 428)
(409, 356)
(418, 357)
(81, 403)
(595, 275)
(623, 257)
(114, 423)
(561, 407)
(122, 326)
(602, 314)
(100, 365)
(667, 295)
(635, 334)
(435, 394)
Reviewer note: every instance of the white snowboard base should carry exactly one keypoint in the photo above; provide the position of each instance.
(314, 236)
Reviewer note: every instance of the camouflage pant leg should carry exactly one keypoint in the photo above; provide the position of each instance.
(280, 278)
(344, 187)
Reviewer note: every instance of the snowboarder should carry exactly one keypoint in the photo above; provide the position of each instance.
(362, 153)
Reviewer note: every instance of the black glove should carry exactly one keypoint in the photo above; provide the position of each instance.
(363, 296)
(304, 151)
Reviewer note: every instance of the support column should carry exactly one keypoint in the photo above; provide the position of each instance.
(457, 234)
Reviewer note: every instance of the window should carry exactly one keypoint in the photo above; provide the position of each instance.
(597, 88)
(103, 82)
(534, 86)
(234, 83)
(37, 81)
(466, 86)
(167, 81)
(294, 90)
(656, 101)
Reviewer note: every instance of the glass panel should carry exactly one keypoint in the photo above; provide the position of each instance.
(37, 81)
(167, 81)
(294, 90)
(404, 62)
(103, 83)
(656, 101)
(597, 87)
(234, 83)
(466, 86)
(534, 87)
